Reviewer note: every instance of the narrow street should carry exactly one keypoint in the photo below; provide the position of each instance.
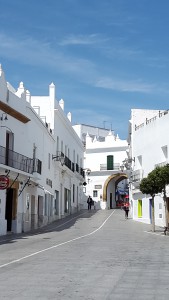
(91, 255)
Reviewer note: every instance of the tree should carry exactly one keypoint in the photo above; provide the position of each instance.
(164, 176)
(152, 185)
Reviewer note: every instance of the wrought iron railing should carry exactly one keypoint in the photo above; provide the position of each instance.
(73, 167)
(37, 166)
(68, 163)
(77, 168)
(18, 161)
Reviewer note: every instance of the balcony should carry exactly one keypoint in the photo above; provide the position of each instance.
(137, 175)
(18, 161)
(116, 167)
(162, 164)
(68, 163)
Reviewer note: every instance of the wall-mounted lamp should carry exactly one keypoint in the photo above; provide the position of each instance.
(88, 171)
(59, 157)
(128, 162)
(4, 117)
(131, 159)
(122, 168)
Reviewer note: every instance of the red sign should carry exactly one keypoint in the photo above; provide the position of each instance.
(4, 182)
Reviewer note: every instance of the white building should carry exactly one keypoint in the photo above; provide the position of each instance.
(33, 143)
(69, 177)
(149, 144)
(104, 155)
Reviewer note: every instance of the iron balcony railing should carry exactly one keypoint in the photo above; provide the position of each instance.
(18, 161)
(77, 168)
(37, 166)
(68, 163)
(72, 166)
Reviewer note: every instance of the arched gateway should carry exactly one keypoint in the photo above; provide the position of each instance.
(112, 181)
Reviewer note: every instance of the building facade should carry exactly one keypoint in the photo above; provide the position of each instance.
(105, 152)
(41, 159)
(149, 144)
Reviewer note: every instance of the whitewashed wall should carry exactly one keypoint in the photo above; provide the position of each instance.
(36, 134)
(148, 143)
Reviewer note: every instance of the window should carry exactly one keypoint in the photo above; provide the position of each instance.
(67, 200)
(46, 205)
(56, 204)
(140, 161)
(160, 205)
(95, 193)
(57, 146)
(73, 193)
(61, 146)
(110, 162)
(165, 151)
(49, 161)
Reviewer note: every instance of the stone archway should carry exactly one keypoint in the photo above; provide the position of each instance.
(116, 177)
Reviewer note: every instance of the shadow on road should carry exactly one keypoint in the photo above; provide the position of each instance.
(58, 225)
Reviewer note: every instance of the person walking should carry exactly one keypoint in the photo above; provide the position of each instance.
(126, 209)
(89, 202)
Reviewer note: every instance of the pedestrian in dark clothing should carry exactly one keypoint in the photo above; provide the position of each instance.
(126, 209)
(89, 202)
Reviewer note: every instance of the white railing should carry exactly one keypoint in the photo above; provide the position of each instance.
(137, 175)
(103, 167)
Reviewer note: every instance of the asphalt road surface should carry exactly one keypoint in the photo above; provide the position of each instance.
(93, 255)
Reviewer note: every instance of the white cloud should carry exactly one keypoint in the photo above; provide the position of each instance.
(125, 86)
(82, 40)
(33, 52)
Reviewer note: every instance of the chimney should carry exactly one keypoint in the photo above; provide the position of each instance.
(61, 103)
(69, 115)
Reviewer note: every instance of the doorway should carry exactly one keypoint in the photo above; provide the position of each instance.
(33, 215)
(9, 208)
(111, 201)
(40, 211)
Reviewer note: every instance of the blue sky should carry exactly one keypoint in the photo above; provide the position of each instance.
(104, 56)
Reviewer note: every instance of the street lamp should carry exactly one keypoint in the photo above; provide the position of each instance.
(122, 168)
(4, 117)
(128, 162)
(59, 157)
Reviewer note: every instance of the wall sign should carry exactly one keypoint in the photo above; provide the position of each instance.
(4, 182)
